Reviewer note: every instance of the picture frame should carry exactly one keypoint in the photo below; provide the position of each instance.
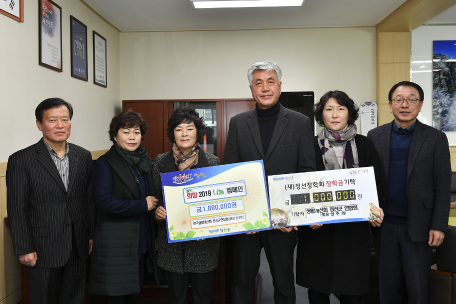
(444, 87)
(50, 35)
(78, 40)
(100, 60)
(13, 9)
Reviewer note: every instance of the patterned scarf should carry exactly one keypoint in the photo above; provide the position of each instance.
(327, 139)
(185, 162)
(135, 159)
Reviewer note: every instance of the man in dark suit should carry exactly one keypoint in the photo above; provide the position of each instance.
(282, 138)
(416, 166)
(50, 208)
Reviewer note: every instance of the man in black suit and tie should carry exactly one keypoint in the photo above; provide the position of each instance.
(50, 208)
(417, 169)
(282, 138)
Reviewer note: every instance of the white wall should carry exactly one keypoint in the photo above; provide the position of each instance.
(214, 64)
(24, 83)
(421, 65)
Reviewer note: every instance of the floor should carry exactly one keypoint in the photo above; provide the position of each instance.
(268, 290)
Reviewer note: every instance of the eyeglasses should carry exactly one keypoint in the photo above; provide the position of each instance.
(411, 101)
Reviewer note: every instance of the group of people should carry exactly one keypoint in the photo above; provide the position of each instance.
(61, 209)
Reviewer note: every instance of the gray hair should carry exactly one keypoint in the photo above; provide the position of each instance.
(264, 66)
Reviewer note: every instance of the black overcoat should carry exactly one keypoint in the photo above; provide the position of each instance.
(114, 267)
(335, 257)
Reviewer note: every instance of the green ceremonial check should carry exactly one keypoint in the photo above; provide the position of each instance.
(323, 197)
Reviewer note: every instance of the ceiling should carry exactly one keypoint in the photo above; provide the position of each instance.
(177, 15)
(448, 17)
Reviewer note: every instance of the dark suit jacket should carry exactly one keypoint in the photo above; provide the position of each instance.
(290, 150)
(428, 177)
(41, 211)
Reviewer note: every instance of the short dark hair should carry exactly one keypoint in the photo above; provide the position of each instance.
(126, 119)
(186, 115)
(342, 99)
(406, 84)
(49, 104)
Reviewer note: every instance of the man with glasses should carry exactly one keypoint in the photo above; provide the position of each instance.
(416, 167)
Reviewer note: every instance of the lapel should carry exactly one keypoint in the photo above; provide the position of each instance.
(254, 128)
(43, 157)
(281, 123)
(74, 165)
(119, 165)
(418, 138)
(384, 137)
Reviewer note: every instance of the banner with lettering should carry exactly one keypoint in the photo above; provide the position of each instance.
(216, 201)
(323, 197)
(368, 117)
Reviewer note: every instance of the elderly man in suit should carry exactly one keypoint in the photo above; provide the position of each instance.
(416, 166)
(50, 208)
(282, 138)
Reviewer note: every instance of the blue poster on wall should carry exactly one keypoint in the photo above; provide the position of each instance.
(444, 85)
(78, 49)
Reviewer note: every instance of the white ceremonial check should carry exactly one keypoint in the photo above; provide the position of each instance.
(323, 197)
(216, 201)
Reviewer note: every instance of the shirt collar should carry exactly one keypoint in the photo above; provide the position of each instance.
(52, 151)
(409, 129)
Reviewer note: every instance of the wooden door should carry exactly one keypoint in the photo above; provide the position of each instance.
(153, 112)
(233, 107)
(219, 144)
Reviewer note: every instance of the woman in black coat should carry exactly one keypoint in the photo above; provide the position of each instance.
(124, 237)
(334, 258)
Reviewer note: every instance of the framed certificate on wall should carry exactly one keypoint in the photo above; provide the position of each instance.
(100, 64)
(78, 49)
(50, 35)
(13, 9)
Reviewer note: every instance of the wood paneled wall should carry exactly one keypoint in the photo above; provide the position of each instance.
(393, 65)
(10, 268)
(393, 46)
(96, 154)
(393, 50)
